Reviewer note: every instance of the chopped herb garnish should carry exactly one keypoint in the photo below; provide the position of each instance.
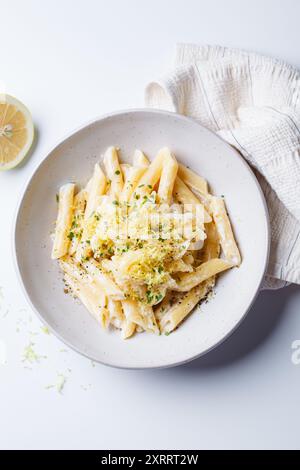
(71, 235)
(57, 197)
(116, 203)
(149, 296)
(117, 172)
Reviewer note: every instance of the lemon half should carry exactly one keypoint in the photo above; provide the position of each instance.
(16, 132)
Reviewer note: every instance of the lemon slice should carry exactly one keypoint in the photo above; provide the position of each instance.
(16, 132)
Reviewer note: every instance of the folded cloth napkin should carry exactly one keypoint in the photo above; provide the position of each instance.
(253, 102)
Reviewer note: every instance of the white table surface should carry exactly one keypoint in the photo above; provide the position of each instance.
(70, 61)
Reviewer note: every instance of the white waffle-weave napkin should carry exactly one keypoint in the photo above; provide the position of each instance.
(253, 102)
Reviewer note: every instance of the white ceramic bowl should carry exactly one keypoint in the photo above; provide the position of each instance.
(73, 160)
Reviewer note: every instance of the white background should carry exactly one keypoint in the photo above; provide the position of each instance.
(70, 61)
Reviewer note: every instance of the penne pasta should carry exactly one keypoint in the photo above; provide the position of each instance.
(64, 221)
(185, 196)
(133, 177)
(128, 329)
(140, 160)
(188, 258)
(125, 168)
(193, 180)
(179, 265)
(141, 315)
(152, 174)
(103, 280)
(77, 221)
(116, 315)
(161, 309)
(211, 248)
(89, 299)
(80, 275)
(113, 171)
(129, 324)
(224, 230)
(88, 186)
(167, 179)
(172, 317)
(96, 189)
(206, 270)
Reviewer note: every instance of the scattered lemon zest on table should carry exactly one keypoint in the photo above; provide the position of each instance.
(30, 355)
(61, 381)
(45, 330)
(59, 384)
